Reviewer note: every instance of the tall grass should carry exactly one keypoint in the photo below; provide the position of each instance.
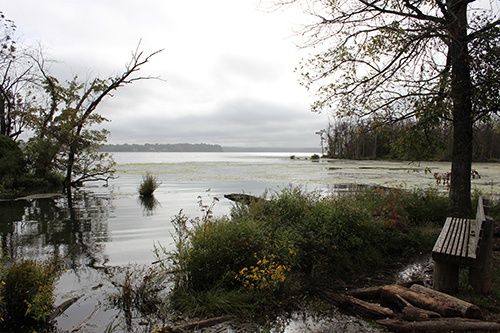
(148, 185)
(273, 250)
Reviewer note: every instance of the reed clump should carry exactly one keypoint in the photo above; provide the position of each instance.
(148, 185)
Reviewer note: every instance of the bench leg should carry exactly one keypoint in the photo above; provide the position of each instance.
(445, 277)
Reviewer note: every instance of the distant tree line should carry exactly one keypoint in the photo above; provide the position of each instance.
(177, 147)
(403, 140)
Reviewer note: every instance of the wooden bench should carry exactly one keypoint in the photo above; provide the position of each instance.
(464, 243)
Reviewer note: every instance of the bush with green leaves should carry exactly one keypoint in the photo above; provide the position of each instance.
(294, 240)
(26, 293)
(12, 162)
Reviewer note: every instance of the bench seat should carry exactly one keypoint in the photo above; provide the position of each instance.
(457, 242)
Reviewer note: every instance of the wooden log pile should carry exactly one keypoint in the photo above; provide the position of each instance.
(411, 309)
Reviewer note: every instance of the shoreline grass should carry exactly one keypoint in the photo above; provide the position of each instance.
(274, 250)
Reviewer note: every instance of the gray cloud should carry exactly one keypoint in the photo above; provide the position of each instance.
(235, 123)
(228, 67)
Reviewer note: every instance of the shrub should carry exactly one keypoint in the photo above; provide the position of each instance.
(12, 162)
(295, 240)
(26, 291)
(149, 184)
(315, 157)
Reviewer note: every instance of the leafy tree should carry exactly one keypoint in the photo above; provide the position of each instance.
(11, 161)
(64, 136)
(402, 59)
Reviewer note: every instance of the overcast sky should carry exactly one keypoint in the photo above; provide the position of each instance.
(228, 67)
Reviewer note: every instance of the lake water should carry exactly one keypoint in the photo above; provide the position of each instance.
(110, 226)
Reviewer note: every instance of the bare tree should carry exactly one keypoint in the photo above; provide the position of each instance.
(17, 81)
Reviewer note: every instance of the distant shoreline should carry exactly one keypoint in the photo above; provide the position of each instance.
(201, 148)
(271, 150)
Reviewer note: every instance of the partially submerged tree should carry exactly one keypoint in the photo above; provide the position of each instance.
(401, 59)
(65, 138)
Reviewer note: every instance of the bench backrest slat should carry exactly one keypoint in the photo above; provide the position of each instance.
(443, 239)
(463, 238)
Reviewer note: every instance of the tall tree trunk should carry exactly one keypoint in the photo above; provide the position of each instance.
(461, 86)
(69, 168)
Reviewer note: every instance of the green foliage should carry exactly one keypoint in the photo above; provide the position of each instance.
(11, 161)
(149, 184)
(271, 249)
(15, 165)
(26, 293)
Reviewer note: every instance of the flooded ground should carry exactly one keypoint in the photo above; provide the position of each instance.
(110, 227)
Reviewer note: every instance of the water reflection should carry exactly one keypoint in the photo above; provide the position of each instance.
(51, 228)
(149, 205)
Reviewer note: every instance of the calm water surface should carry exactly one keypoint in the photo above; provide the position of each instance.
(111, 226)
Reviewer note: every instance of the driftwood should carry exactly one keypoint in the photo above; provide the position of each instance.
(242, 198)
(420, 309)
(439, 325)
(63, 307)
(355, 305)
(194, 325)
(413, 313)
(445, 305)
(366, 293)
(469, 310)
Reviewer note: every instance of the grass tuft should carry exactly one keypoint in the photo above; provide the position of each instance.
(149, 185)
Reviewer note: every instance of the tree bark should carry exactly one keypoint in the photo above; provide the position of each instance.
(461, 90)
(469, 310)
(413, 313)
(3, 115)
(366, 293)
(445, 305)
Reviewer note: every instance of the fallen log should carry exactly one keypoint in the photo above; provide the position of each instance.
(366, 293)
(63, 307)
(194, 325)
(356, 306)
(439, 325)
(242, 198)
(444, 306)
(469, 310)
(412, 313)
